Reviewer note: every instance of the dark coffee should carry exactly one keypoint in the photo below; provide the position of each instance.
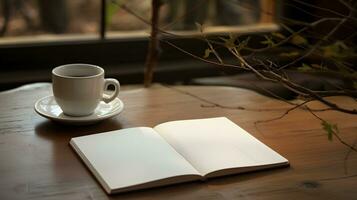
(78, 76)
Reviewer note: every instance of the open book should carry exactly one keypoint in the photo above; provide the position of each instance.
(172, 152)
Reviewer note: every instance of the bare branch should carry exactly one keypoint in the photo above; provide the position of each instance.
(212, 104)
(335, 134)
(313, 48)
(153, 50)
(325, 9)
(284, 114)
(201, 59)
(347, 155)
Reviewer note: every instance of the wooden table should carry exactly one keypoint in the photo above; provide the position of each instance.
(36, 161)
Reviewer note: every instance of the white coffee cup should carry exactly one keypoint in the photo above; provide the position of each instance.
(78, 88)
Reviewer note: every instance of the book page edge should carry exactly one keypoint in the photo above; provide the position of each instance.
(90, 167)
(246, 169)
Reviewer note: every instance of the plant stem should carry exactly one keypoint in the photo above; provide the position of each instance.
(153, 50)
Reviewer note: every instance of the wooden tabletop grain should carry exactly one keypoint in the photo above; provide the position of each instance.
(36, 161)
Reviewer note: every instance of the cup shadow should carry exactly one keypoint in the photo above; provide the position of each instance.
(52, 130)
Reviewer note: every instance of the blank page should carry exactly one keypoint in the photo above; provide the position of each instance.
(215, 144)
(130, 157)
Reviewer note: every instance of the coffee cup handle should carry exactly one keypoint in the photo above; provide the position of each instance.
(116, 84)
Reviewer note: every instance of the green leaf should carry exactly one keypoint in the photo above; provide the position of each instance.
(317, 66)
(230, 43)
(268, 41)
(327, 127)
(199, 27)
(207, 53)
(338, 50)
(233, 36)
(290, 54)
(111, 9)
(330, 129)
(341, 44)
(278, 35)
(305, 68)
(355, 85)
(299, 40)
(243, 44)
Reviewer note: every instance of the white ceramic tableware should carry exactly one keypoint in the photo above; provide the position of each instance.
(78, 88)
(48, 107)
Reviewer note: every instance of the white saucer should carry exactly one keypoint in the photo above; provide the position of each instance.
(48, 107)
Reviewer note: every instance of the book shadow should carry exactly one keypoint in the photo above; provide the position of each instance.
(179, 191)
(200, 189)
(55, 139)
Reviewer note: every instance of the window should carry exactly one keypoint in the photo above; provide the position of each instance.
(36, 35)
(53, 20)
(181, 16)
(48, 20)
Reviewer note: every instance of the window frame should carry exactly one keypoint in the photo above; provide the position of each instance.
(106, 50)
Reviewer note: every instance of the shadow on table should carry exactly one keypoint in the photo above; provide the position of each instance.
(63, 163)
(53, 131)
(209, 189)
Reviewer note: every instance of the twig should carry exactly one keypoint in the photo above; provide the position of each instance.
(351, 8)
(347, 155)
(214, 104)
(199, 58)
(284, 114)
(335, 134)
(194, 8)
(287, 39)
(276, 78)
(274, 95)
(324, 9)
(313, 48)
(153, 54)
(338, 178)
